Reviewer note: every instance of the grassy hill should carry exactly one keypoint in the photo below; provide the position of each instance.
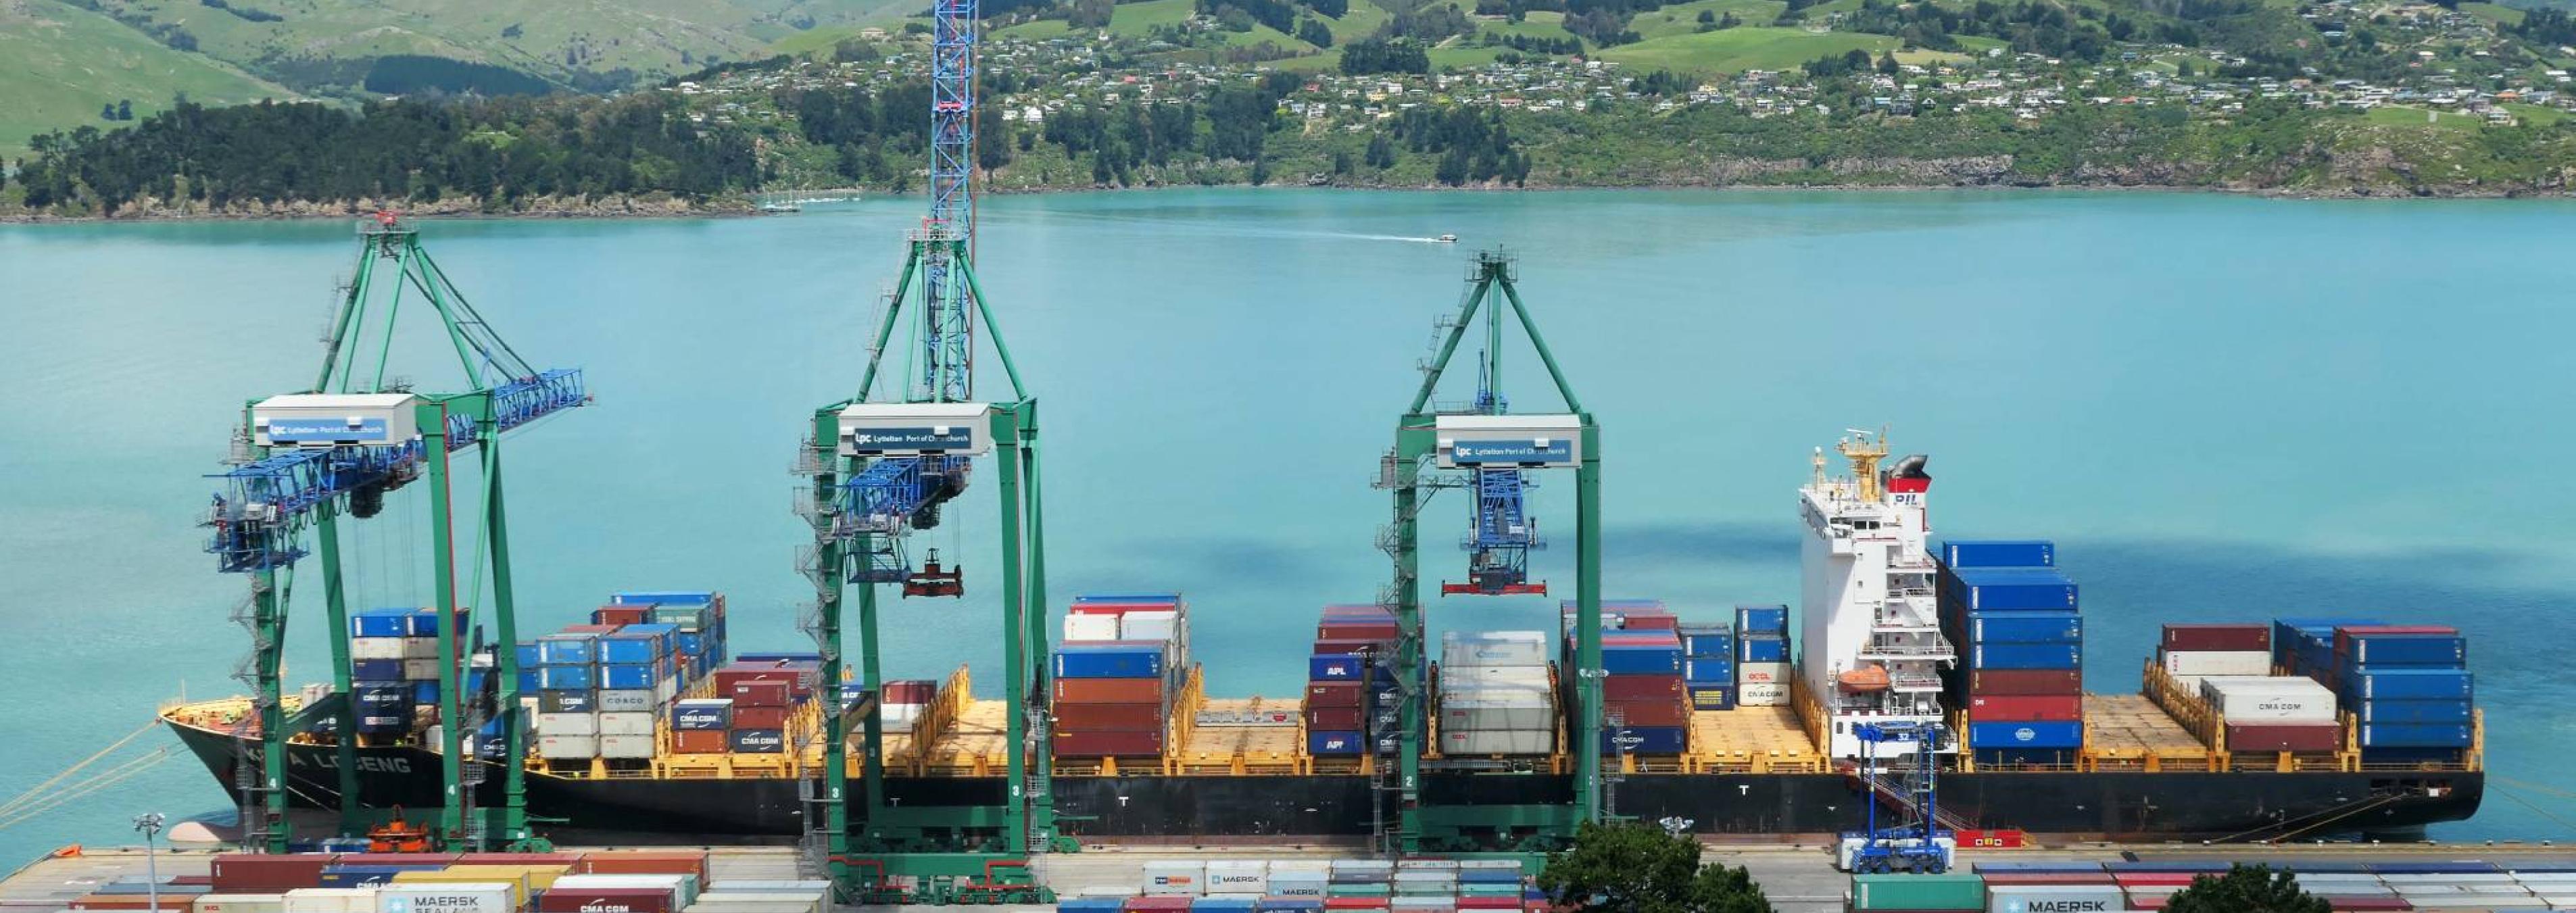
(63, 63)
(1745, 48)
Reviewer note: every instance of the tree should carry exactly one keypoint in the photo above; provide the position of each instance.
(1708, 17)
(1312, 31)
(2246, 889)
(125, 109)
(107, 112)
(1638, 868)
(1887, 64)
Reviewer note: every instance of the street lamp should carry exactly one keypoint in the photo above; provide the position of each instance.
(149, 824)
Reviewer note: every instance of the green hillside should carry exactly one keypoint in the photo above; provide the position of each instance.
(62, 63)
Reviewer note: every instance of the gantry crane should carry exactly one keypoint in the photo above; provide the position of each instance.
(302, 460)
(880, 465)
(1916, 836)
(1488, 449)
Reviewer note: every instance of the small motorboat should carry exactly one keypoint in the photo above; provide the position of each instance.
(1447, 239)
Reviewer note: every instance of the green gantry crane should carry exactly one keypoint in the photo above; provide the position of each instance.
(1486, 449)
(303, 460)
(875, 470)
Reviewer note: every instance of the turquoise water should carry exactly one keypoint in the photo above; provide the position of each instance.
(2222, 408)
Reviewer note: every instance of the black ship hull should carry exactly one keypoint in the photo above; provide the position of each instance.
(2113, 806)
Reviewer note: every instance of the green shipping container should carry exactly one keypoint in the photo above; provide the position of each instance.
(1371, 889)
(1918, 892)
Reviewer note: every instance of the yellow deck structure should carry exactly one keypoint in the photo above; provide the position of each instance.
(1751, 740)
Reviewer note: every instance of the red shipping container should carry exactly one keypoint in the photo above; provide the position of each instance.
(704, 741)
(621, 615)
(604, 900)
(2025, 681)
(799, 675)
(911, 691)
(1489, 903)
(1333, 719)
(757, 693)
(1107, 744)
(1666, 712)
(398, 859)
(2302, 737)
(1640, 687)
(1108, 717)
(1334, 694)
(1350, 903)
(1348, 646)
(1356, 630)
(2021, 878)
(2218, 637)
(759, 717)
(1109, 690)
(2154, 879)
(518, 859)
(643, 862)
(1649, 623)
(1154, 904)
(2005, 708)
(1101, 608)
(2147, 900)
(259, 873)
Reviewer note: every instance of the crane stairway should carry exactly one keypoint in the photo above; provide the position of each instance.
(1892, 794)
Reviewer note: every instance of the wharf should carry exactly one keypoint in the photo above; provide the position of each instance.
(1798, 878)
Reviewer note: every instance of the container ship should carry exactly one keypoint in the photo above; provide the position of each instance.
(1737, 719)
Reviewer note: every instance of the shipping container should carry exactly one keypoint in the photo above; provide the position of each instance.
(1645, 740)
(1762, 648)
(1712, 697)
(1763, 674)
(1338, 667)
(1109, 690)
(1115, 659)
(2026, 656)
(1715, 641)
(1109, 717)
(1335, 743)
(1641, 687)
(461, 897)
(2366, 648)
(759, 741)
(2203, 663)
(2408, 684)
(1978, 553)
(1998, 708)
(2284, 736)
(606, 900)
(266, 874)
(2217, 638)
(2025, 628)
(2267, 699)
(2010, 589)
(1918, 892)
(1493, 648)
(2025, 681)
(1751, 618)
(2055, 898)
(2025, 735)
(2396, 711)
(1108, 744)
(2414, 735)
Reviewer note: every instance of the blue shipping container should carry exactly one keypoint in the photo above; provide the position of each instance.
(2012, 589)
(1763, 649)
(2026, 735)
(693, 643)
(1334, 668)
(528, 654)
(2025, 628)
(625, 677)
(424, 692)
(1751, 618)
(2288, 633)
(528, 679)
(2026, 656)
(2407, 650)
(376, 670)
(1708, 671)
(2408, 685)
(1336, 743)
(381, 623)
(424, 623)
(1108, 661)
(1090, 904)
(1711, 697)
(567, 678)
(1221, 905)
(701, 716)
(1646, 740)
(2453, 712)
(1715, 644)
(372, 697)
(1640, 659)
(568, 649)
(1999, 553)
(2414, 735)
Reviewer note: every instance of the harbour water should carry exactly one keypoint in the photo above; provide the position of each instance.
(2222, 408)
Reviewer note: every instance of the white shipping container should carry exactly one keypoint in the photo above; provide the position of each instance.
(1300, 866)
(1765, 695)
(2282, 699)
(2411, 878)
(625, 701)
(420, 648)
(420, 670)
(1478, 676)
(1104, 890)
(468, 897)
(1485, 710)
(2205, 663)
(2055, 898)
(625, 723)
(1150, 625)
(567, 724)
(754, 906)
(1300, 885)
(1172, 877)
(376, 647)
(1091, 627)
(1493, 648)
(1497, 741)
(1237, 876)
(683, 888)
(330, 900)
(240, 903)
(1762, 673)
(567, 747)
(2479, 902)
(626, 747)
(667, 691)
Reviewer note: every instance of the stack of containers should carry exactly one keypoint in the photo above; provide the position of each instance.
(393, 664)
(2012, 617)
(763, 693)
(1304, 879)
(2408, 689)
(905, 703)
(2191, 652)
(1113, 698)
(1708, 665)
(2266, 713)
(702, 726)
(1762, 655)
(1641, 691)
(1346, 675)
(1917, 893)
(2306, 646)
(1365, 879)
(638, 676)
(1495, 697)
(1426, 884)
(565, 672)
(699, 615)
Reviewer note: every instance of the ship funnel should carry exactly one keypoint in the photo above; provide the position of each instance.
(1908, 475)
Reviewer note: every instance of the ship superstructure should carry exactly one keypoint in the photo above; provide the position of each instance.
(1872, 649)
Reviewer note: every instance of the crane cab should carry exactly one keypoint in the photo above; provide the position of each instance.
(324, 420)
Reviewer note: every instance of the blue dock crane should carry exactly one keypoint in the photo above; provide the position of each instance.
(1914, 838)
